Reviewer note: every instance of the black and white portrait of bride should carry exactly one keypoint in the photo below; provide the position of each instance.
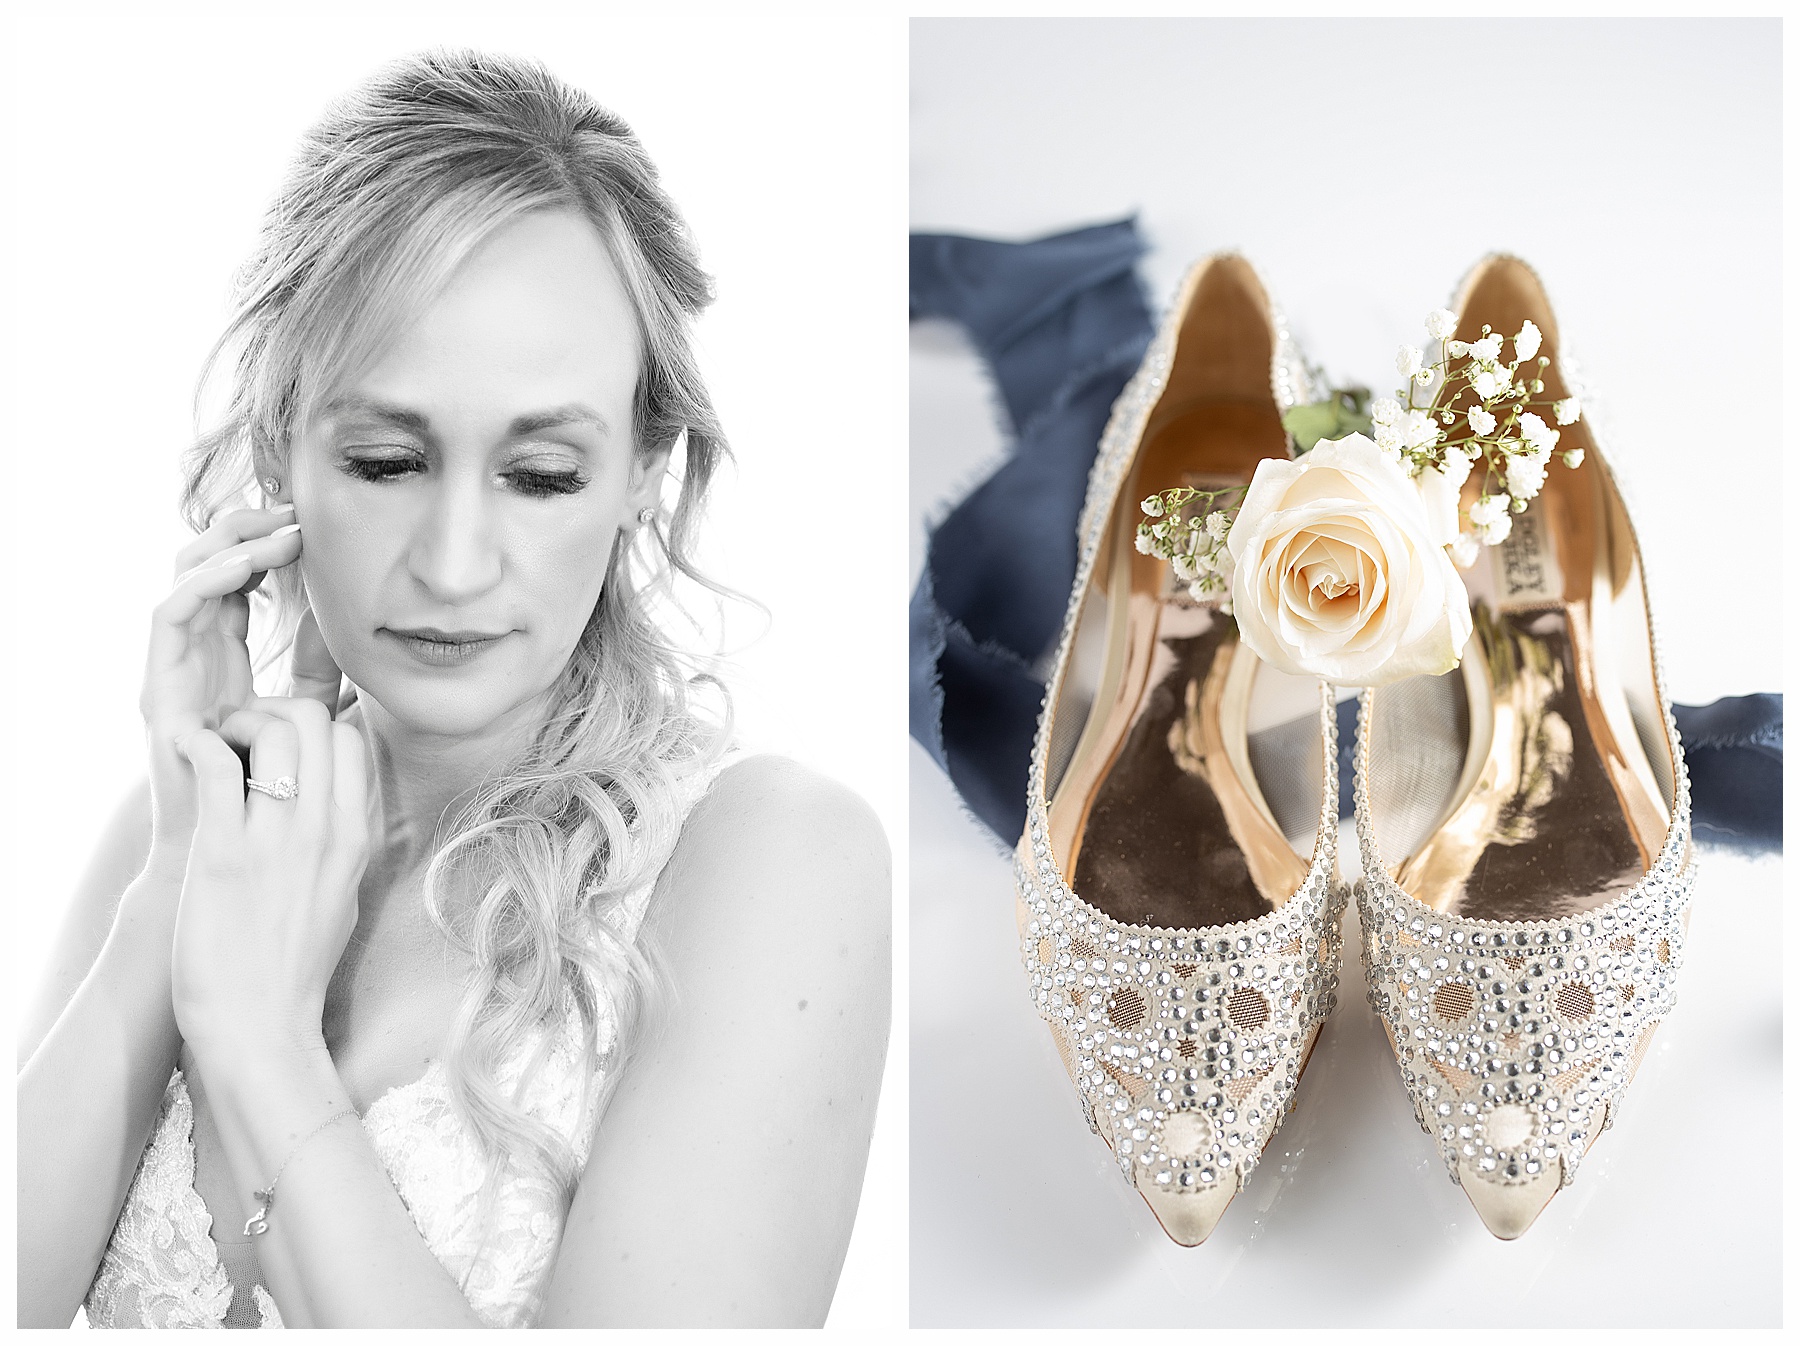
(487, 920)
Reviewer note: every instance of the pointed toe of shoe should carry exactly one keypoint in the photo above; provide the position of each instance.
(1188, 1217)
(1509, 1209)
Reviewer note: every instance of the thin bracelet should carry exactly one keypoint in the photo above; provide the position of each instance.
(259, 1222)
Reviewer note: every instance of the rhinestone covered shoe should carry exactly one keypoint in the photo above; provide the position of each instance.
(1524, 828)
(1178, 906)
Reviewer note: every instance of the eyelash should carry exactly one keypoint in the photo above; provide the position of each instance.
(537, 485)
(540, 484)
(379, 469)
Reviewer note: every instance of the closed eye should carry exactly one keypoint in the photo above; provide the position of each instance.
(535, 483)
(383, 469)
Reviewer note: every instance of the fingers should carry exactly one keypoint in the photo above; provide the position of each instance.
(221, 583)
(273, 748)
(234, 617)
(315, 675)
(199, 586)
(310, 726)
(220, 780)
(229, 529)
(260, 555)
(290, 737)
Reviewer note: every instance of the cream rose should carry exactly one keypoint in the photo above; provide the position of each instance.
(1336, 571)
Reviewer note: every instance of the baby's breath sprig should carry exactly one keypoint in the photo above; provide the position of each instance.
(1487, 412)
(1187, 528)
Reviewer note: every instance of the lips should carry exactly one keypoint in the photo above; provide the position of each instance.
(441, 649)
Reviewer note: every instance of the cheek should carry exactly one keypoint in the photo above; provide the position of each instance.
(563, 569)
(345, 552)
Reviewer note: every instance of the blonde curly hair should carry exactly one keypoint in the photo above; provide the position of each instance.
(389, 193)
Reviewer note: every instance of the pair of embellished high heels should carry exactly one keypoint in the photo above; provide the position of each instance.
(1523, 819)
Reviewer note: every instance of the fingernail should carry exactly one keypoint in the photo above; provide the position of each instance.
(285, 529)
(285, 507)
(231, 558)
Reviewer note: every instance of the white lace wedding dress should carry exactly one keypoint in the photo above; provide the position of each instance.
(163, 1268)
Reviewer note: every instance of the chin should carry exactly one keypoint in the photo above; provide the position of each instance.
(463, 705)
(440, 712)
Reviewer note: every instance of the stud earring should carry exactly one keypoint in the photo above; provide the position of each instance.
(646, 515)
(272, 485)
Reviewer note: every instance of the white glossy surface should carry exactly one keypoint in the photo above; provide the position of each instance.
(1660, 247)
(1019, 1216)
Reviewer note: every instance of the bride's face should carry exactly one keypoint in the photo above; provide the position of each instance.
(459, 502)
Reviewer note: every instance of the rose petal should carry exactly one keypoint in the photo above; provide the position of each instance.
(1336, 570)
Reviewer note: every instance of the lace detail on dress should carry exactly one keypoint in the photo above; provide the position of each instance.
(265, 1305)
(438, 1170)
(162, 1269)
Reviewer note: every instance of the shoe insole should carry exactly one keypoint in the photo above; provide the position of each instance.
(1561, 810)
(1158, 820)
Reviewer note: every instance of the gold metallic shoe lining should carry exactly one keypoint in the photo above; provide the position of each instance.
(1593, 540)
(1516, 1038)
(1541, 832)
(1154, 813)
(1565, 798)
(1197, 1145)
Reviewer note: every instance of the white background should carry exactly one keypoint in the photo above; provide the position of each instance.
(147, 141)
(1363, 166)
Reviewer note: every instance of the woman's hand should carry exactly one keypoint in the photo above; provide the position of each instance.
(270, 895)
(198, 669)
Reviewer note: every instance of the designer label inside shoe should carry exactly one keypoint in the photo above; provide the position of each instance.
(1526, 572)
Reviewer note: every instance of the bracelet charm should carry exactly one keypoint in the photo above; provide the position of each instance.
(258, 1223)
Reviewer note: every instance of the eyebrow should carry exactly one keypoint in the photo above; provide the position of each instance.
(530, 423)
(386, 412)
(572, 413)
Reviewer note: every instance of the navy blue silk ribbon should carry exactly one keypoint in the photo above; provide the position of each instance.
(1062, 323)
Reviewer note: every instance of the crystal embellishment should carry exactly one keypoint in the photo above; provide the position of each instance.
(1516, 1040)
(1185, 1045)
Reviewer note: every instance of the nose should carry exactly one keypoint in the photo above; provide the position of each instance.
(455, 552)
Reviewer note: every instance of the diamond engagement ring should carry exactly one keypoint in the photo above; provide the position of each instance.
(283, 787)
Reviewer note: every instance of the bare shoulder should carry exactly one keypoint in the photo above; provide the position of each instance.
(759, 1067)
(785, 830)
(781, 881)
